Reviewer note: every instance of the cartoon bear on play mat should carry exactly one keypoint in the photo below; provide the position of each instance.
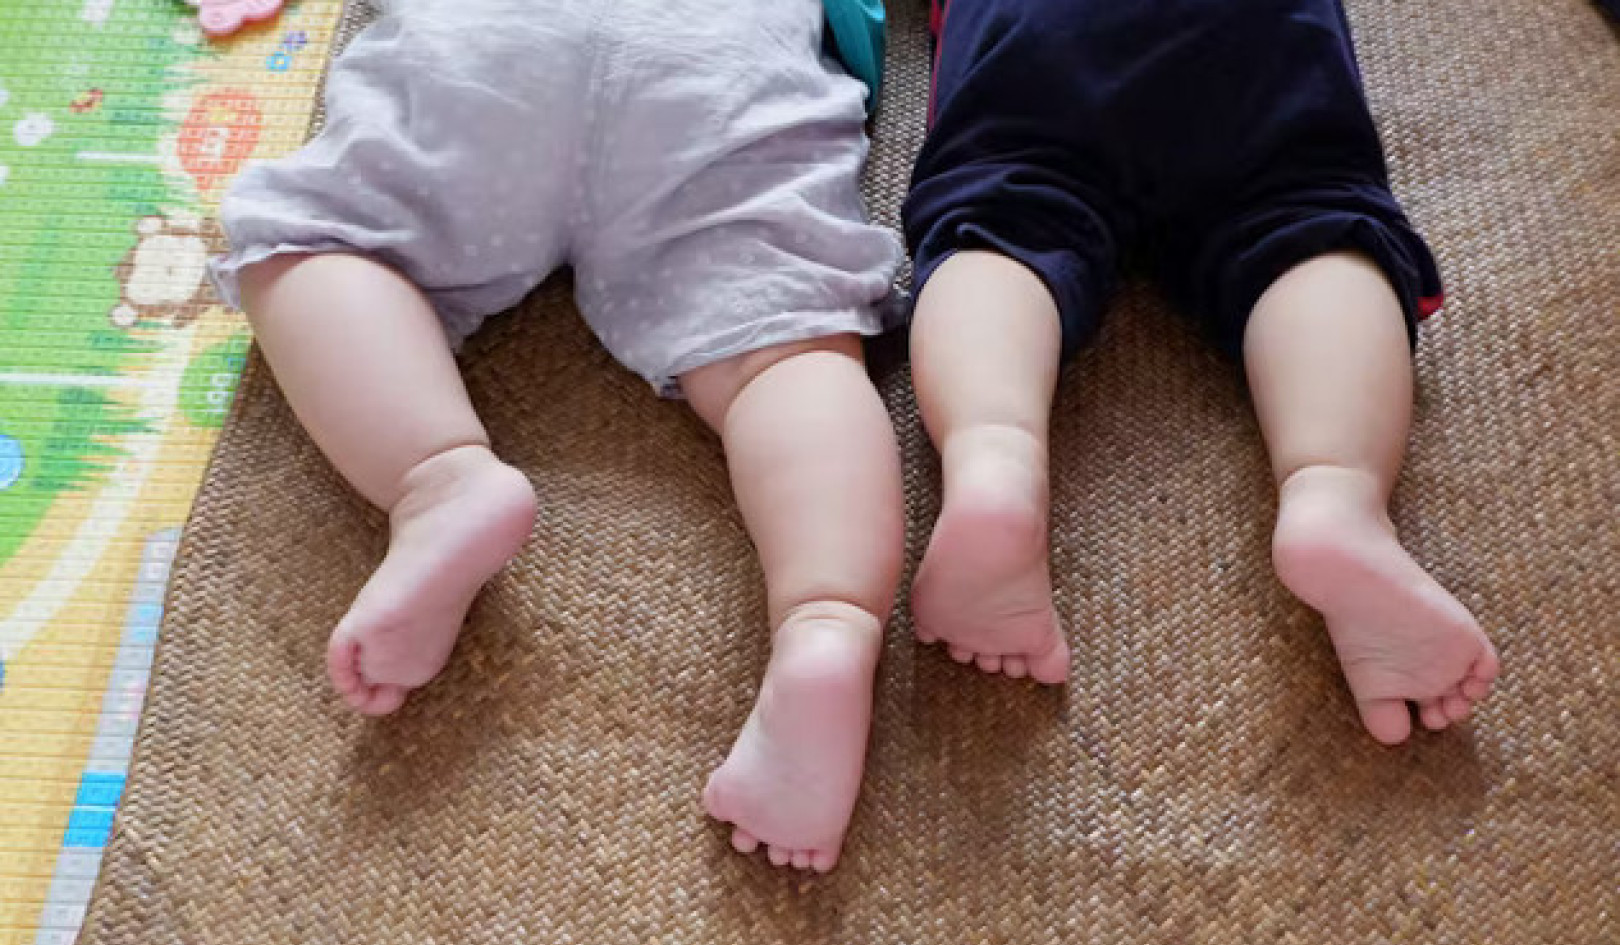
(165, 276)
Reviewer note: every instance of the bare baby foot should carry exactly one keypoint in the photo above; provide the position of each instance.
(791, 779)
(463, 516)
(984, 589)
(1400, 636)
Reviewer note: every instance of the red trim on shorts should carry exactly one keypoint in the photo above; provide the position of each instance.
(937, 11)
(1429, 304)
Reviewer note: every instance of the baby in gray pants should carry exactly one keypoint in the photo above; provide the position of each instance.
(697, 165)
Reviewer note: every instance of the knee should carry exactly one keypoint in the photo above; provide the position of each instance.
(713, 388)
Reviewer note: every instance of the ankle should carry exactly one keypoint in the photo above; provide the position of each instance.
(1007, 442)
(1001, 457)
(450, 473)
(1344, 489)
(834, 628)
(443, 469)
(1322, 512)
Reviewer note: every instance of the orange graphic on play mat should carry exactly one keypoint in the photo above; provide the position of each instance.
(219, 135)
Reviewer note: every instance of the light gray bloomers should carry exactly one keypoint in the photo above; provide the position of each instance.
(695, 161)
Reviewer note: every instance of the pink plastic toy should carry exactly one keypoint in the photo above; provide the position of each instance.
(224, 17)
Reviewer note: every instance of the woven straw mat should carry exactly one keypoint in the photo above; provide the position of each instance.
(1202, 779)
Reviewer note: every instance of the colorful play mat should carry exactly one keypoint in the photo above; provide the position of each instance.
(120, 126)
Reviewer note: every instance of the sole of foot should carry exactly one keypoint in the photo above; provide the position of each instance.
(463, 516)
(984, 589)
(791, 780)
(1400, 637)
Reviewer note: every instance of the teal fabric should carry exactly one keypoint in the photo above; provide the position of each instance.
(857, 33)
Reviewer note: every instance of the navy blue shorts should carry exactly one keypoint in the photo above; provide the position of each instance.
(1217, 143)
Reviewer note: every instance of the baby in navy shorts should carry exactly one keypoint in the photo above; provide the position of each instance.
(1226, 146)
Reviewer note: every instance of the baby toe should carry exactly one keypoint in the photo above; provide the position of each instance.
(1433, 715)
(961, 655)
(1387, 720)
(989, 662)
(1015, 666)
(1455, 707)
(1475, 689)
(384, 700)
(1051, 667)
(343, 664)
(1481, 676)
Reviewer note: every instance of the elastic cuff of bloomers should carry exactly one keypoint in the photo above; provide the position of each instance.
(780, 328)
(1391, 244)
(226, 274)
(226, 271)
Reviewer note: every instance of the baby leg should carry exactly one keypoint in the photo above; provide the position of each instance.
(414, 189)
(816, 472)
(363, 360)
(1327, 358)
(985, 351)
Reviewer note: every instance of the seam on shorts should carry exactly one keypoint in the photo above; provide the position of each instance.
(603, 50)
